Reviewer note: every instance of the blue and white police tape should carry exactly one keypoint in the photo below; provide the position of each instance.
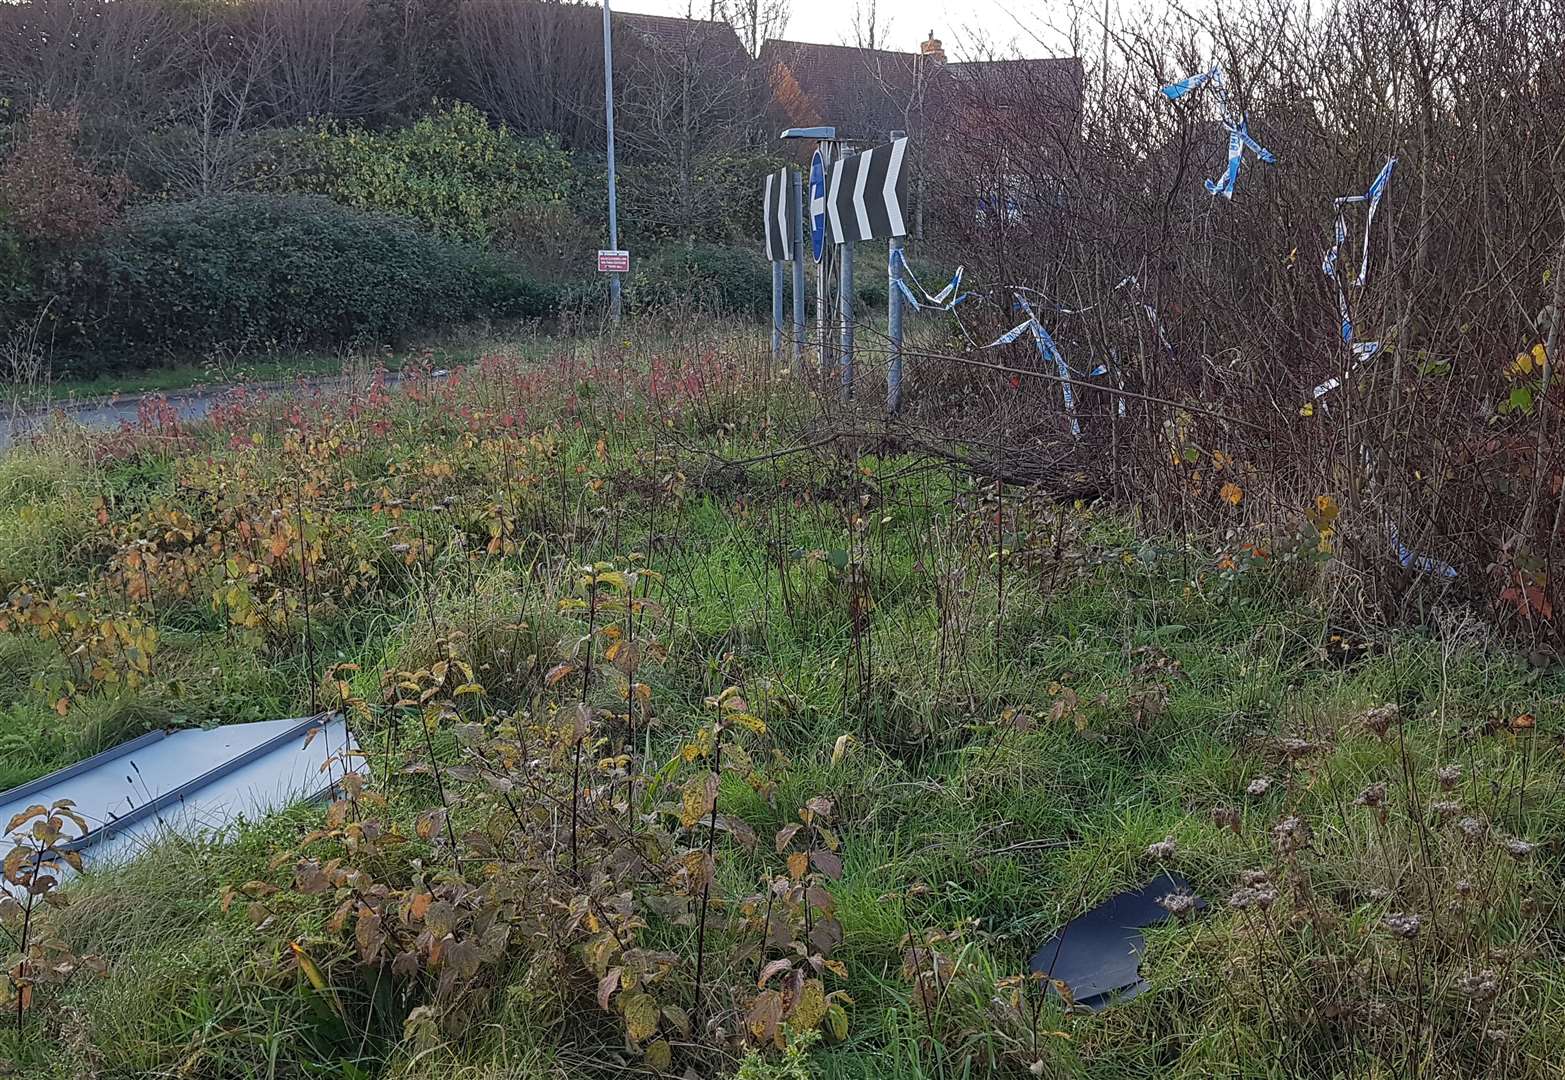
(1340, 235)
(944, 300)
(1048, 350)
(1239, 139)
(1175, 90)
(1363, 352)
(1423, 564)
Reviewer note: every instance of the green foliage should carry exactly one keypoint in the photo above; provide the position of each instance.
(712, 277)
(276, 271)
(451, 171)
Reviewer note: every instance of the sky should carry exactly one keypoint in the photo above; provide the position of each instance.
(955, 22)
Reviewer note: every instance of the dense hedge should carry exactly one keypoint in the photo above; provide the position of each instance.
(713, 277)
(452, 171)
(275, 271)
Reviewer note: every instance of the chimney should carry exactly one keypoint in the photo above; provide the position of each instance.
(931, 48)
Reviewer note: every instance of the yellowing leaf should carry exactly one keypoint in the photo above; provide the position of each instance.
(1231, 493)
(1307, 409)
(641, 1017)
(810, 1009)
(658, 1056)
(798, 865)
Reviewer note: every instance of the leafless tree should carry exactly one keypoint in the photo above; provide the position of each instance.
(325, 61)
(535, 64)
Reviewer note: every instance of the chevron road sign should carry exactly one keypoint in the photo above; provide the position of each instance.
(866, 194)
(778, 216)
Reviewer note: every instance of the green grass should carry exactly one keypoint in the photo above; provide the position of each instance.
(1019, 732)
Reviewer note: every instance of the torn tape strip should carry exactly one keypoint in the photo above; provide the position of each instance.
(1423, 564)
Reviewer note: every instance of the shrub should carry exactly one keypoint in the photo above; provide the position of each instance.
(47, 191)
(452, 170)
(276, 271)
(727, 280)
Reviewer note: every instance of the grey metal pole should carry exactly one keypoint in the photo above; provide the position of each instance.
(777, 311)
(845, 310)
(823, 278)
(894, 325)
(608, 113)
(798, 271)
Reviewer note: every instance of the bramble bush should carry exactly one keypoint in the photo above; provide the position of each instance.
(451, 171)
(275, 271)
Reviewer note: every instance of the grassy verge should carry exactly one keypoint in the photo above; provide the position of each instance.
(673, 760)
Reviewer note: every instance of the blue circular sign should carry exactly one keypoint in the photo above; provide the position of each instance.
(817, 205)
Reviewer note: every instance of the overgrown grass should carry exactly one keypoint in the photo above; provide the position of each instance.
(1007, 701)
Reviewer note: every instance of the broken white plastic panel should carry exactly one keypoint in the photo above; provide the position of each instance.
(191, 783)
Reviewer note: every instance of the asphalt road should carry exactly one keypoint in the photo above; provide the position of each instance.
(188, 405)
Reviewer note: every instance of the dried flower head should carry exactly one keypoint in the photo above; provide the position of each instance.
(1378, 720)
(1253, 878)
(1291, 834)
(1372, 796)
(1471, 828)
(1516, 848)
(1404, 925)
(1259, 786)
(1481, 985)
(1464, 887)
(1294, 749)
(1246, 897)
(1449, 777)
(1227, 817)
(1446, 809)
(1162, 850)
(1181, 905)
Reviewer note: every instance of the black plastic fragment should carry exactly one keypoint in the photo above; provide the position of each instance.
(1098, 954)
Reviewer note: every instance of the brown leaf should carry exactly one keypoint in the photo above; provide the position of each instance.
(798, 865)
(607, 985)
(785, 836)
(369, 934)
(828, 863)
(765, 1016)
(773, 968)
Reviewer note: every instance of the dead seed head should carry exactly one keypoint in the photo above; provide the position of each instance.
(1446, 809)
(1480, 986)
(1372, 796)
(1403, 924)
(1291, 834)
(1259, 786)
(1181, 905)
(1260, 898)
(1227, 817)
(1449, 777)
(1163, 850)
(1253, 878)
(1471, 828)
(1517, 849)
(1378, 721)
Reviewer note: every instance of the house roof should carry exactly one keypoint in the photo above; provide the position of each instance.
(866, 93)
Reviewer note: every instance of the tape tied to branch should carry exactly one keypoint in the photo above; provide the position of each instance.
(1235, 123)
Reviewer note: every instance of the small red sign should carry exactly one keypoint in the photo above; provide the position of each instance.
(613, 262)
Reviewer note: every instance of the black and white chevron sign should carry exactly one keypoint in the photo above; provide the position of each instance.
(867, 194)
(779, 216)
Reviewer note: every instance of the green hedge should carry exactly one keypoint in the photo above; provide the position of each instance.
(452, 171)
(275, 271)
(713, 277)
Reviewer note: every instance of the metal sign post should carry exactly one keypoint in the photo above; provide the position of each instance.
(777, 310)
(845, 277)
(894, 324)
(608, 114)
(798, 271)
(894, 254)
